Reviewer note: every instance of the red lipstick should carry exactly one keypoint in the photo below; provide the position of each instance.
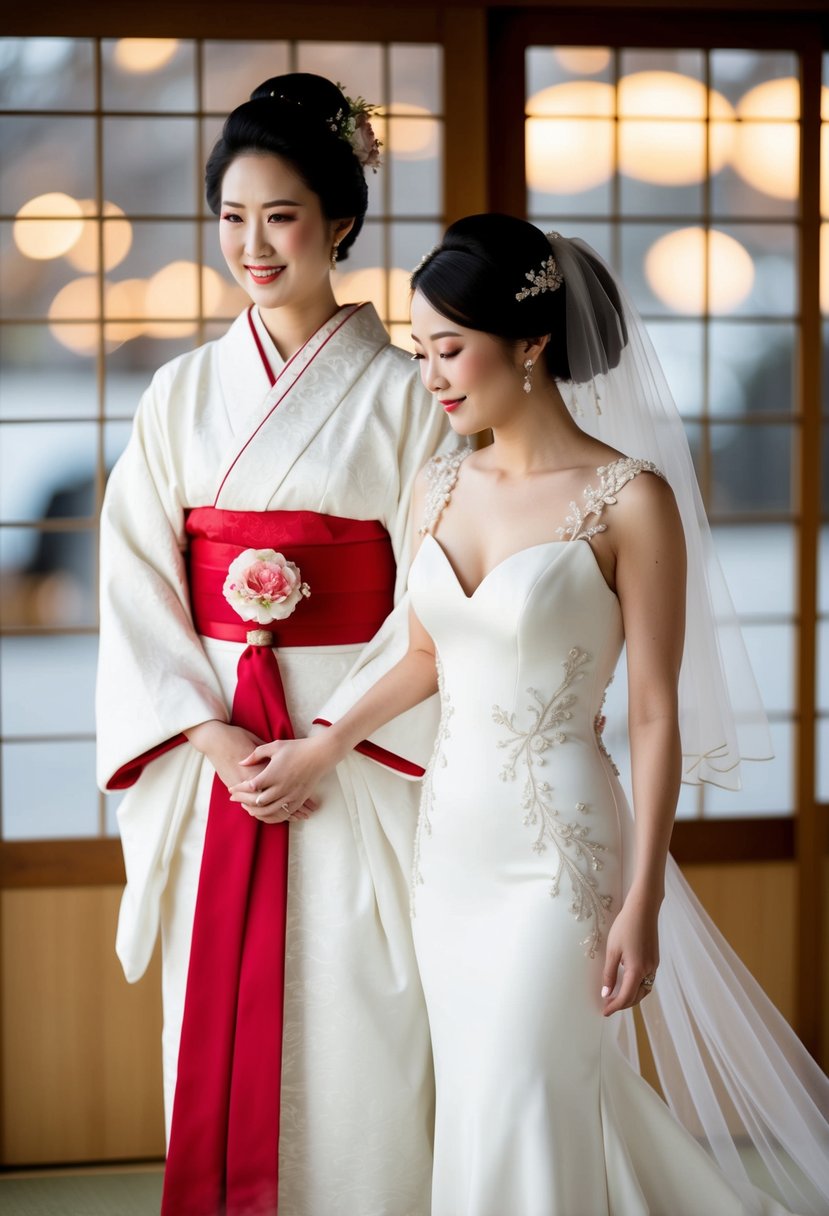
(264, 274)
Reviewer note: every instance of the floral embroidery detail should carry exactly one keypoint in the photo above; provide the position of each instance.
(598, 727)
(570, 839)
(612, 477)
(424, 823)
(441, 476)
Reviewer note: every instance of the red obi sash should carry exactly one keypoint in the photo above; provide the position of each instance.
(348, 564)
(223, 1153)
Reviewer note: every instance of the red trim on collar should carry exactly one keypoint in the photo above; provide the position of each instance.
(261, 349)
(279, 400)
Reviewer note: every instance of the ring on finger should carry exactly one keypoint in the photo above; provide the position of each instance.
(284, 805)
(648, 981)
(258, 799)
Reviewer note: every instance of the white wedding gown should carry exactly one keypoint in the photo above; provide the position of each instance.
(522, 858)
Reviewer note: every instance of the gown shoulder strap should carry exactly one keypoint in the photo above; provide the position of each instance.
(612, 477)
(441, 475)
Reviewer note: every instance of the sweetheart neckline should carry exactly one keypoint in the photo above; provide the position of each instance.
(544, 544)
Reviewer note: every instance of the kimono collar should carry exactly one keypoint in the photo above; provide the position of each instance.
(271, 358)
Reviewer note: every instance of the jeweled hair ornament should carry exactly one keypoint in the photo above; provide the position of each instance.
(548, 278)
(427, 257)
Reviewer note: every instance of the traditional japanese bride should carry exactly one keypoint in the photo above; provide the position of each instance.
(540, 903)
(261, 509)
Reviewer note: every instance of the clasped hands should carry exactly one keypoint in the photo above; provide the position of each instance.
(284, 788)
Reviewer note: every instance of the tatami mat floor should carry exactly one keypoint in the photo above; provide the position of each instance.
(111, 1191)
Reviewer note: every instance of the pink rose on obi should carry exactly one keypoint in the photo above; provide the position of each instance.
(261, 585)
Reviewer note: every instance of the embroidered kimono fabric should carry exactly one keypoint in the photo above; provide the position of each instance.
(342, 431)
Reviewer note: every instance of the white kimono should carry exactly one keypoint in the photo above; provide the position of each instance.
(352, 427)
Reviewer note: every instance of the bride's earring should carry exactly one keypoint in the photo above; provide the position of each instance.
(334, 252)
(528, 374)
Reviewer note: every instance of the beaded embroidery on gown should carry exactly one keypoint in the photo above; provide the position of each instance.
(522, 846)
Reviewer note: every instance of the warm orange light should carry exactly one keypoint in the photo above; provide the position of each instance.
(173, 296)
(767, 156)
(824, 269)
(555, 140)
(574, 99)
(661, 95)
(767, 153)
(370, 284)
(42, 239)
(125, 300)
(415, 137)
(144, 54)
(654, 149)
(77, 301)
(401, 335)
(583, 60)
(400, 293)
(772, 99)
(214, 291)
(675, 269)
(412, 139)
(117, 239)
(222, 297)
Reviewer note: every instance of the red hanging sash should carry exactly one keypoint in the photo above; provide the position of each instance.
(223, 1153)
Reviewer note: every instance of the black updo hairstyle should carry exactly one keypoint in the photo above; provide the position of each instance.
(290, 116)
(473, 276)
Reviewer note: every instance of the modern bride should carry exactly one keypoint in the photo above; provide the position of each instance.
(539, 900)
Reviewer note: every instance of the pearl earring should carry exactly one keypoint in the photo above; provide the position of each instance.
(528, 371)
(334, 254)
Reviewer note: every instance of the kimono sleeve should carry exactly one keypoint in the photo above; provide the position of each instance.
(405, 743)
(154, 678)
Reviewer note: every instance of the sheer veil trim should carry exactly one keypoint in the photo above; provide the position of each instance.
(630, 407)
(731, 1069)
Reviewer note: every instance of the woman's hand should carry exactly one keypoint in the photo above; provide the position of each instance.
(284, 787)
(633, 943)
(225, 746)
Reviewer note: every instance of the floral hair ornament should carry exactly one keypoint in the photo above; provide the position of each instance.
(548, 278)
(354, 126)
(262, 586)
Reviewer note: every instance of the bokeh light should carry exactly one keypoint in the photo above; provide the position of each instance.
(355, 286)
(555, 151)
(137, 55)
(583, 60)
(126, 301)
(83, 255)
(45, 238)
(767, 152)
(173, 296)
(77, 301)
(415, 137)
(670, 153)
(675, 268)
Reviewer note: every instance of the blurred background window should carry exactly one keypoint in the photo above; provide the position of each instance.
(692, 192)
